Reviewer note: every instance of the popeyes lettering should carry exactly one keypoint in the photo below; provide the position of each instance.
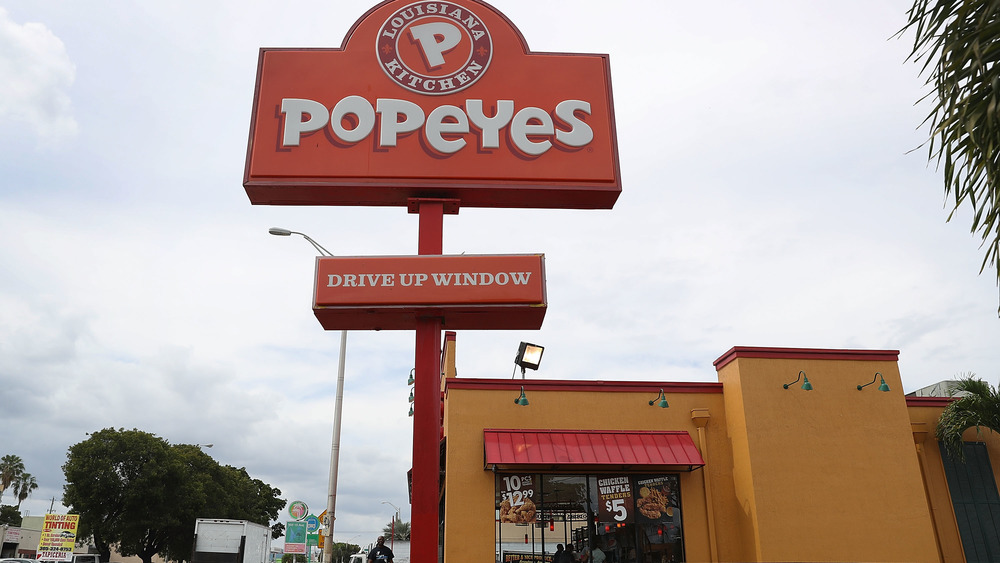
(446, 128)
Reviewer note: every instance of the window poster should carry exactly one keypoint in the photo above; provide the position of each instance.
(517, 498)
(615, 499)
(657, 499)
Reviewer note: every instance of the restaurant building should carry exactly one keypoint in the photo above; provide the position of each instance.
(783, 459)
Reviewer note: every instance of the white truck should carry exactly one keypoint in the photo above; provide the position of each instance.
(230, 541)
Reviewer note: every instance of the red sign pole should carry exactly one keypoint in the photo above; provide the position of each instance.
(427, 403)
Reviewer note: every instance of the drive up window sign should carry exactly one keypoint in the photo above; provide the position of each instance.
(469, 291)
(433, 99)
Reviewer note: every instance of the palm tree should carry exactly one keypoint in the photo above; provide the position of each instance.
(958, 42)
(979, 407)
(401, 531)
(24, 485)
(11, 467)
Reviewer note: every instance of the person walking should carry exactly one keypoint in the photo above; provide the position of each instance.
(381, 553)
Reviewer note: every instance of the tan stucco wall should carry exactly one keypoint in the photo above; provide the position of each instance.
(832, 474)
(469, 494)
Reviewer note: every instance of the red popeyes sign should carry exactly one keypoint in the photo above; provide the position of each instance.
(468, 291)
(433, 99)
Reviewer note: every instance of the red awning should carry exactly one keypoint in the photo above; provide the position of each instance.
(590, 449)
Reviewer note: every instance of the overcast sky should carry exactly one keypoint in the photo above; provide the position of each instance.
(772, 196)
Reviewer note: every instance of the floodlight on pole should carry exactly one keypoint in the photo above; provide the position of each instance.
(331, 502)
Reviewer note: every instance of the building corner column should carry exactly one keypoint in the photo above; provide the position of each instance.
(919, 430)
(700, 418)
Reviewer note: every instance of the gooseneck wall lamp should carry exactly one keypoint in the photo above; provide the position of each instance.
(805, 382)
(660, 401)
(522, 400)
(338, 415)
(528, 356)
(882, 386)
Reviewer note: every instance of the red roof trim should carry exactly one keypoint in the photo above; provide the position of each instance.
(804, 354)
(929, 401)
(577, 385)
(574, 449)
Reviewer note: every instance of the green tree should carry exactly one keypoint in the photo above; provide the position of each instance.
(122, 483)
(958, 42)
(212, 490)
(401, 531)
(10, 516)
(23, 486)
(979, 407)
(134, 490)
(11, 466)
(341, 551)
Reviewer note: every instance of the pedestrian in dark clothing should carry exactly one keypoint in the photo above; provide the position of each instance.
(561, 556)
(381, 553)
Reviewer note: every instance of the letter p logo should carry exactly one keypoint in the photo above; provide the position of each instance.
(429, 52)
(435, 39)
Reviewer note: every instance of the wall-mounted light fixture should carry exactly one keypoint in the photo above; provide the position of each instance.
(522, 400)
(805, 382)
(882, 386)
(660, 400)
(410, 381)
(528, 356)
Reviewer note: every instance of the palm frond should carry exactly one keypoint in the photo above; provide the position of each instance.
(979, 408)
(958, 44)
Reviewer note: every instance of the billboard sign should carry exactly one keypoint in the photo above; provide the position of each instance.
(433, 99)
(58, 537)
(467, 291)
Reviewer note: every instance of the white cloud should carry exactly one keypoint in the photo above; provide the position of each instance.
(35, 76)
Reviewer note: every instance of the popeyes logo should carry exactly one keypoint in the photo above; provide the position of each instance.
(433, 99)
(434, 48)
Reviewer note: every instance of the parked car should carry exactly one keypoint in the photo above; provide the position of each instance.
(17, 560)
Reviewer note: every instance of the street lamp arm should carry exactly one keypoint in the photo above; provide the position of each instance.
(316, 245)
(278, 231)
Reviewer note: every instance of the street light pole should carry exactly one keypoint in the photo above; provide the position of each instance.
(395, 521)
(338, 411)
